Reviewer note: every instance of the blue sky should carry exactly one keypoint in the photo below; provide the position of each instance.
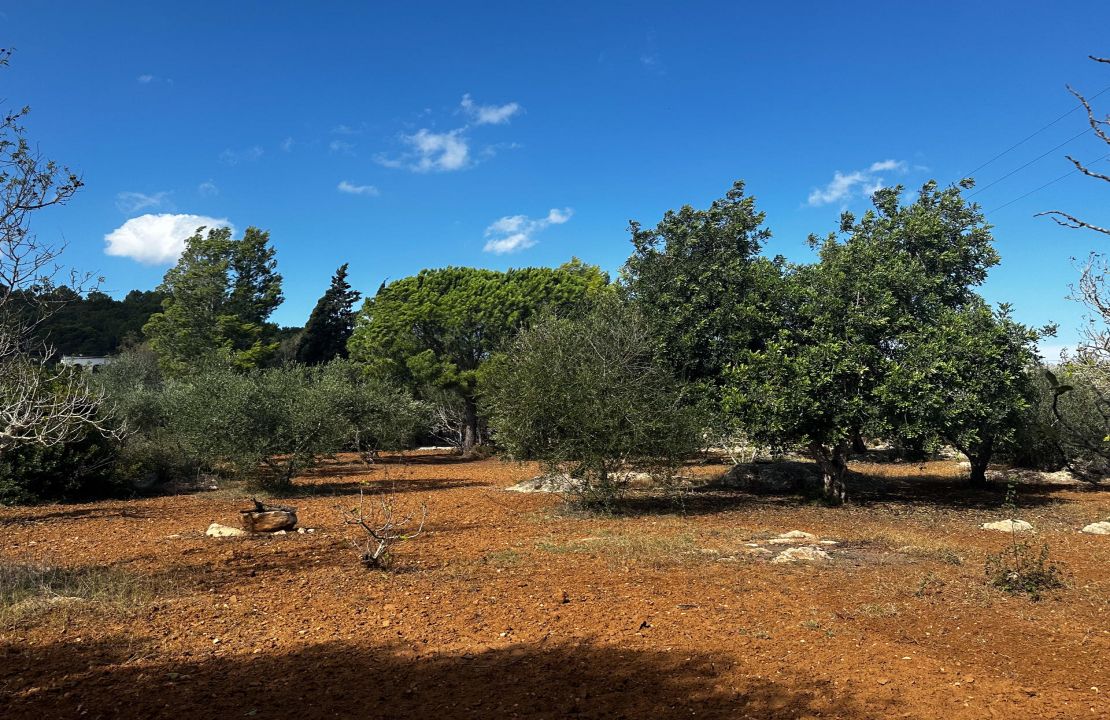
(505, 134)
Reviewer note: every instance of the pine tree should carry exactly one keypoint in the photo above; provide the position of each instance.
(331, 322)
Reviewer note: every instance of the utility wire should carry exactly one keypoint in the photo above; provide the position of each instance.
(1050, 182)
(1035, 134)
(1039, 157)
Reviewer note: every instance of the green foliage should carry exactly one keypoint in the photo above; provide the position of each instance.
(587, 396)
(330, 324)
(263, 426)
(701, 286)
(824, 376)
(150, 453)
(963, 378)
(77, 470)
(219, 296)
(379, 414)
(438, 328)
(267, 426)
(1068, 424)
(96, 324)
(1019, 569)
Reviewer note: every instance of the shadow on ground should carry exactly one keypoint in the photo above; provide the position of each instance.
(360, 681)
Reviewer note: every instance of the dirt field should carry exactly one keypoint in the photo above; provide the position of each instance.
(512, 607)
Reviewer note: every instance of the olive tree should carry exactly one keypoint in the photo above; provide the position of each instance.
(587, 396)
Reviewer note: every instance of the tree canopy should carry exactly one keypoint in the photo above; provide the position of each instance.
(439, 327)
(849, 318)
(218, 298)
(701, 284)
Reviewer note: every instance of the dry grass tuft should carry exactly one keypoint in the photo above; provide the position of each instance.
(29, 588)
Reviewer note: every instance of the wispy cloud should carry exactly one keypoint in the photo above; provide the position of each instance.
(287, 144)
(235, 157)
(341, 147)
(343, 129)
(513, 233)
(208, 189)
(132, 202)
(156, 239)
(489, 114)
(431, 150)
(859, 183)
(150, 79)
(352, 189)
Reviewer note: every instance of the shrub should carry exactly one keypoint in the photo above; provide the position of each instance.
(1067, 426)
(1020, 569)
(588, 398)
(76, 470)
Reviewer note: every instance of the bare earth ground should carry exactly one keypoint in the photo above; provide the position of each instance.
(512, 607)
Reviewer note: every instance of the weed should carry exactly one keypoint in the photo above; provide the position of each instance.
(502, 558)
(1020, 569)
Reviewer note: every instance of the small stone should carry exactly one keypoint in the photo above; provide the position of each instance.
(883, 681)
(1007, 526)
(218, 530)
(280, 532)
(802, 554)
(301, 531)
(1098, 528)
(798, 535)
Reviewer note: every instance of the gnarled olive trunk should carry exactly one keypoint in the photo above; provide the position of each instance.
(859, 446)
(834, 470)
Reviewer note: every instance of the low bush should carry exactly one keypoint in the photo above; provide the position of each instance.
(1021, 569)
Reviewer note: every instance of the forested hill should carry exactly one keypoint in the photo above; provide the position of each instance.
(98, 324)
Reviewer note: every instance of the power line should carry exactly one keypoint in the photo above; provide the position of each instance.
(1039, 157)
(1033, 135)
(1050, 182)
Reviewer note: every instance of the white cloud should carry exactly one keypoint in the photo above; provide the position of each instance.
(517, 232)
(208, 189)
(234, 157)
(287, 144)
(861, 183)
(132, 202)
(156, 239)
(885, 165)
(352, 189)
(489, 114)
(433, 152)
(145, 79)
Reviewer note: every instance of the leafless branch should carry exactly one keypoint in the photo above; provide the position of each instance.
(382, 530)
(1070, 221)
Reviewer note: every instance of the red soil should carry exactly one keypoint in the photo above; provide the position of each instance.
(511, 607)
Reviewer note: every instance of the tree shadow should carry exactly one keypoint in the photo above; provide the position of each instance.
(338, 679)
(377, 486)
(30, 516)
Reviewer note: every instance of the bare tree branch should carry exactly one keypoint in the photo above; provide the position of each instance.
(1071, 221)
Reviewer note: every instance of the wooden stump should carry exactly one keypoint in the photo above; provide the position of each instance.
(268, 520)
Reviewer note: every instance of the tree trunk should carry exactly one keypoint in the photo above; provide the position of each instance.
(470, 425)
(980, 459)
(859, 447)
(834, 469)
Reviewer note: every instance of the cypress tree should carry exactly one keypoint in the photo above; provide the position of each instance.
(331, 322)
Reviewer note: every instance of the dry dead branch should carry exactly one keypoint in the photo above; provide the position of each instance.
(381, 528)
